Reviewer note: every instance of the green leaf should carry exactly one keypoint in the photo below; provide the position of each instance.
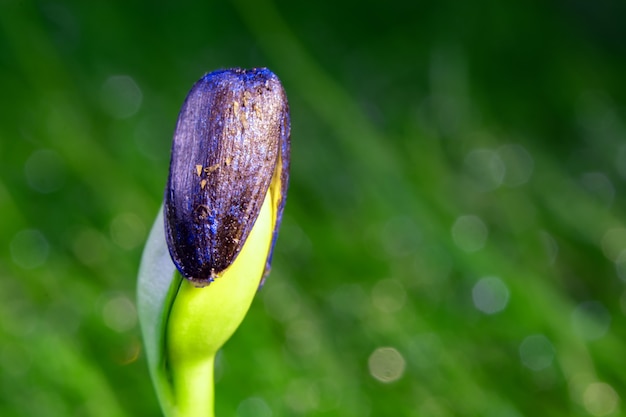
(158, 284)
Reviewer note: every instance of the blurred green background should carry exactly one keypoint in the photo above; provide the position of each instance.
(453, 242)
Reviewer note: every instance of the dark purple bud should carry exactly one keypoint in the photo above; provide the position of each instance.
(231, 143)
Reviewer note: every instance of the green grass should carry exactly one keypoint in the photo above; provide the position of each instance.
(406, 193)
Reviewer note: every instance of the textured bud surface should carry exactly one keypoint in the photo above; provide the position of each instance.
(231, 145)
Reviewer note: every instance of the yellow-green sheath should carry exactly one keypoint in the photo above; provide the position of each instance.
(203, 319)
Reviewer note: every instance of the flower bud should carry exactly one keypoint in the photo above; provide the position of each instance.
(230, 149)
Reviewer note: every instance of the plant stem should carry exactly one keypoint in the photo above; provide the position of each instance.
(194, 389)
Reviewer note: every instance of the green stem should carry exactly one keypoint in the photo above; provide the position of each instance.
(193, 388)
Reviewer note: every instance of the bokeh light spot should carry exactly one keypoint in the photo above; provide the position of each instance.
(119, 313)
(469, 233)
(253, 407)
(600, 399)
(490, 295)
(591, 320)
(29, 248)
(388, 295)
(121, 97)
(45, 171)
(386, 364)
(614, 243)
(536, 352)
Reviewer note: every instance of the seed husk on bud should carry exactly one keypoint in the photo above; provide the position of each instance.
(230, 149)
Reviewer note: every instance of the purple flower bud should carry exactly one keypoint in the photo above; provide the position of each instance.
(230, 146)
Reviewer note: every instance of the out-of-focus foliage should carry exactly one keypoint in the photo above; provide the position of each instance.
(454, 240)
